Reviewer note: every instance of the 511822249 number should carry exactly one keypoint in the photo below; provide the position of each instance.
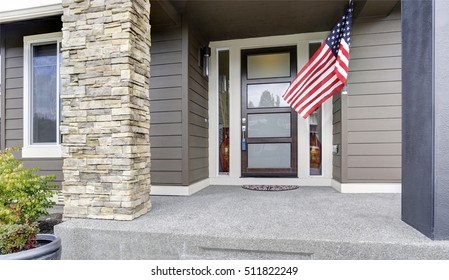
(271, 270)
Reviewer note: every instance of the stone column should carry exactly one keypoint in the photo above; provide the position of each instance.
(105, 94)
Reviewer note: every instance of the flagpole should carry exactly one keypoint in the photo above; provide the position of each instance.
(345, 88)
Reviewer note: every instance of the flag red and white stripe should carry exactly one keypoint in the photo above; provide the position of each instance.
(326, 72)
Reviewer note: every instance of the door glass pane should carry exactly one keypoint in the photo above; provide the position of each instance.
(269, 155)
(268, 65)
(266, 95)
(315, 128)
(315, 142)
(269, 125)
(44, 110)
(223, 117)
(313, 47)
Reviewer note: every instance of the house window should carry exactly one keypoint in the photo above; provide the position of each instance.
(42, 88)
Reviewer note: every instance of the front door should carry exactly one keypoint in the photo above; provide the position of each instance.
(269, 125)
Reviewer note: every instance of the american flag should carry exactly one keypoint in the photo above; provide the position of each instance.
(326, 72)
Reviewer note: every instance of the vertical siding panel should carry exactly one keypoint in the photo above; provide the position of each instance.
(373, 103)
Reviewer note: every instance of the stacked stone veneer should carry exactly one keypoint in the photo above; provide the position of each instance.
(105, 92)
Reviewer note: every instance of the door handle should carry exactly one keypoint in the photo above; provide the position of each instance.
(243, 138)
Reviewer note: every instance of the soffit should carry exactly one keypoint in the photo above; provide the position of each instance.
(234, 19)
(163, 14)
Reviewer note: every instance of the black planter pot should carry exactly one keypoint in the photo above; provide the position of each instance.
(49, 250)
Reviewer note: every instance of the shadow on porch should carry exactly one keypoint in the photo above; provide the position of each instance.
(222, 222)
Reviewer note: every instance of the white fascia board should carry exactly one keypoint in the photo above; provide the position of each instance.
(31, 12)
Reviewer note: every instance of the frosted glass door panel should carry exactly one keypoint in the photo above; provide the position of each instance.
(268, 65)
(269, 125)
(269, 155)
(266, 95)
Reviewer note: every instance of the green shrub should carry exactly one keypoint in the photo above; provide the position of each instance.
(24, 197)
(15, 238)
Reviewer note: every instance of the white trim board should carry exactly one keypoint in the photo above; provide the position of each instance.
(30, 13)
(180, 190)
(366, 187)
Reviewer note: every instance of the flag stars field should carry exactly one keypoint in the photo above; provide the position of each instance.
(326, 72)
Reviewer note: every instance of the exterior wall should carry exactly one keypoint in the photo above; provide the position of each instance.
(166, 95)
(336, 136)
(198, 157)
(172, 94)
(179, 108)
(12, 88)
(371, 113)
(368, 119)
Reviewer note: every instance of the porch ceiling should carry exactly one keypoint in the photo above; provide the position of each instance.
(234, 19)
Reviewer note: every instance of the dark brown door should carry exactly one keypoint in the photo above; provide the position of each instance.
(269, 125)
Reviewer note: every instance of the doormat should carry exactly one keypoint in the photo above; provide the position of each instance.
(269, 187)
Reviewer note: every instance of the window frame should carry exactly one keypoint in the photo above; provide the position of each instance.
(39, 150)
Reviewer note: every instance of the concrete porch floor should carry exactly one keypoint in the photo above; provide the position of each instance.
(223, 222)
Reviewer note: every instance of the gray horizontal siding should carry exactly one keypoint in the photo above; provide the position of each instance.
(198, 158)
(367, 64)
(368, 26)
(376, 88)
(12, 131)
(336, 137)
(382, 112)
(372, 119)
(375, 161)
(374, 125)
(375, 100)
(166, 177)
(371, 137)
(373, 174)
(166, 107)
(374, 149)
(166, 141)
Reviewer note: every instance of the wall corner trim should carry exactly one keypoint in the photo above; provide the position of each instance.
(336, 185)
(180, 190)
(366, 187)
